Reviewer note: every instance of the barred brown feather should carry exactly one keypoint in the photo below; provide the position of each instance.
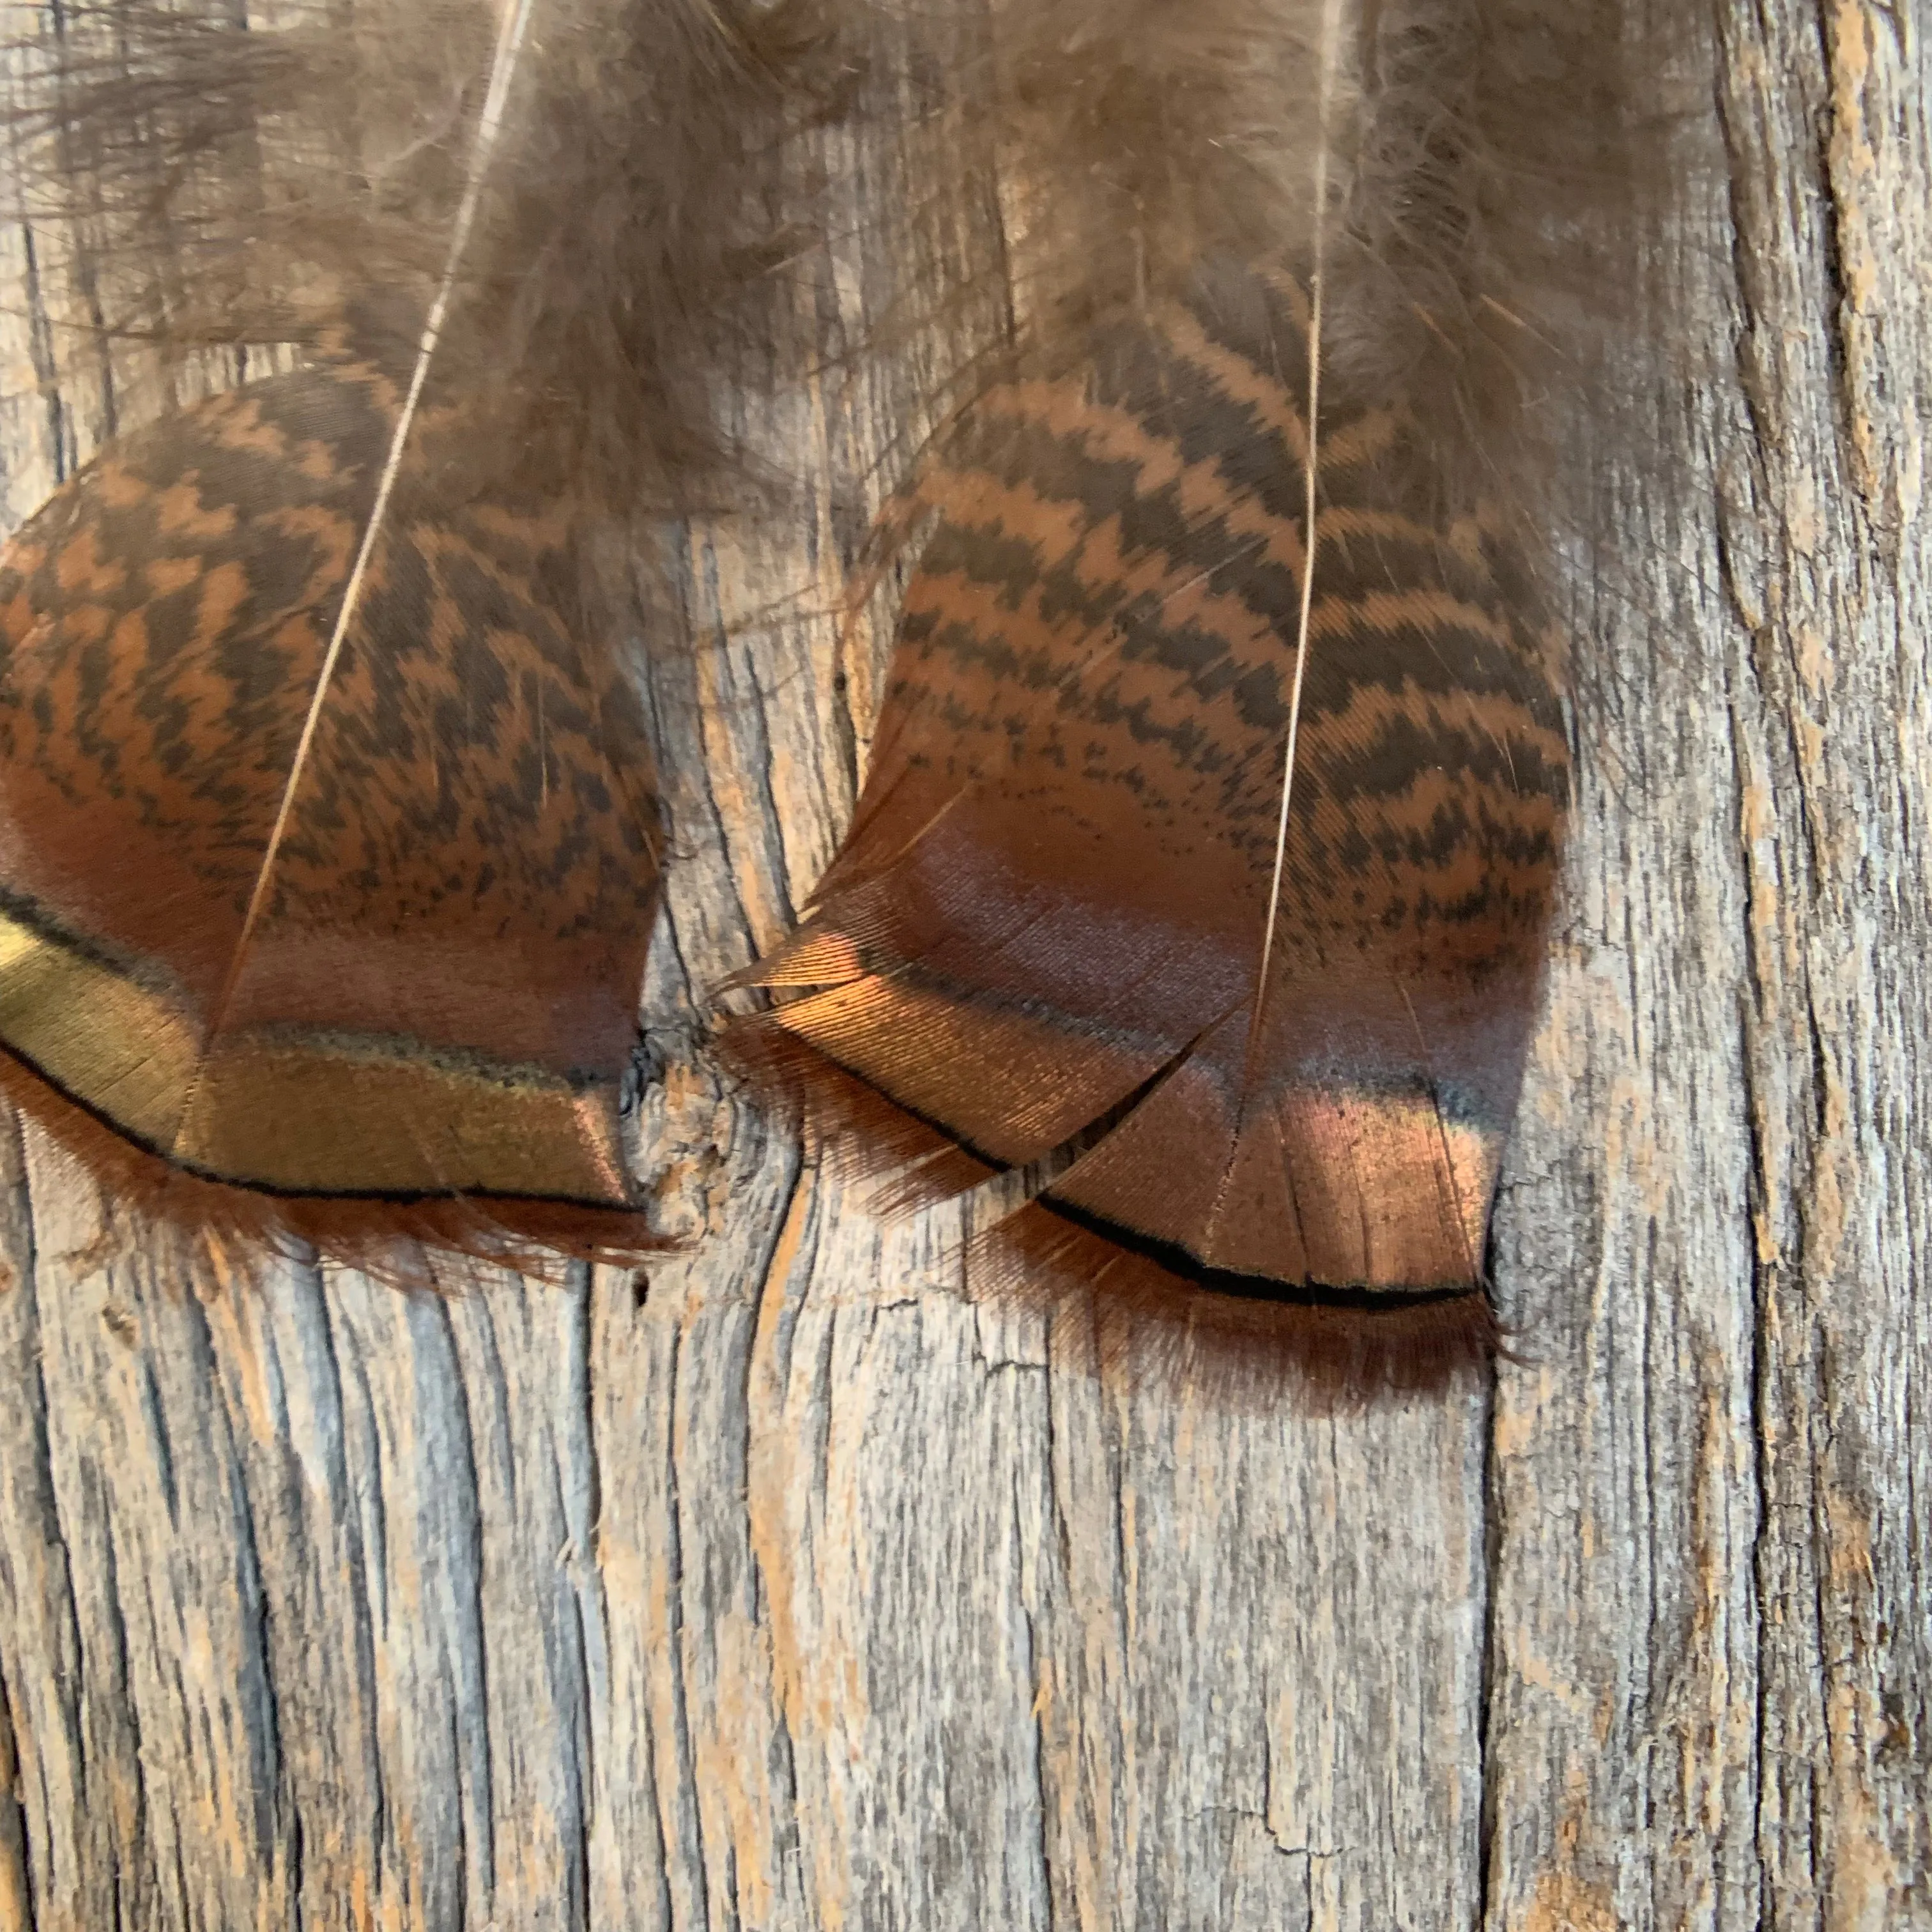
(426, 1031)
(1049, 919)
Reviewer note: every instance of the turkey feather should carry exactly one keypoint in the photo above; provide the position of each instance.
(1209, 844)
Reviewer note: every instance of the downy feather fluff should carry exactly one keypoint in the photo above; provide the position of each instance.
(221, 175)
(1208, 847)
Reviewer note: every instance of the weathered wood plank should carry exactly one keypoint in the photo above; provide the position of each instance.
(1712, 1653)
(790, 1589)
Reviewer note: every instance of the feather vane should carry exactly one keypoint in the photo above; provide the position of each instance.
(427, 997)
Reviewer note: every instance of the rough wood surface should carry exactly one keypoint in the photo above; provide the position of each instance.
(790, 1590)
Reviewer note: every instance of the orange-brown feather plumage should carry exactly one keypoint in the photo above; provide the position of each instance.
(1046, 927)
(1044, 937)
(436, 1006)
(1048, 921)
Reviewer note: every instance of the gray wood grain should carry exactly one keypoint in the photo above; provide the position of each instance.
(1711, 1642)
(788, 1588)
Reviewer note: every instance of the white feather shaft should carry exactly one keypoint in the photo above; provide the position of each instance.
(1331, 39)
(503, 69)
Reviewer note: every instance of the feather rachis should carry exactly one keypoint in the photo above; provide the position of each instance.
(1330, 53)
(509, 46)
